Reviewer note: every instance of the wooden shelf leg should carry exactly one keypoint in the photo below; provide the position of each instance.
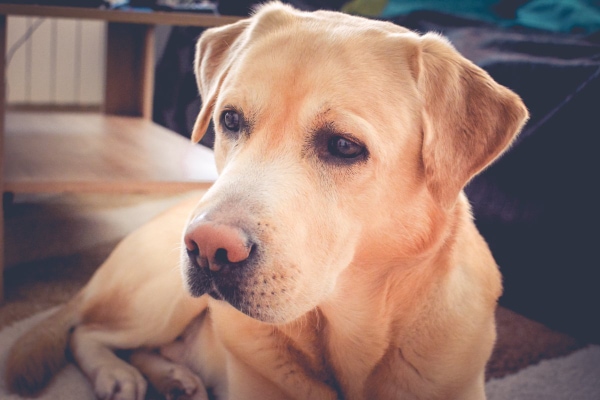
(129, 70)
(2, 116)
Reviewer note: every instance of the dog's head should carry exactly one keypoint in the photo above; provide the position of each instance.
(341, 143)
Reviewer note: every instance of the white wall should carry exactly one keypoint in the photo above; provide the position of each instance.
(62, 63)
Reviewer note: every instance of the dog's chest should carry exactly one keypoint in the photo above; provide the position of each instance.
(243, 356)
(400, 373)
(287, 362)
(377, 372)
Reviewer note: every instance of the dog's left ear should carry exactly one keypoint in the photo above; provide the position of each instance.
(468, 118)
(215, 51)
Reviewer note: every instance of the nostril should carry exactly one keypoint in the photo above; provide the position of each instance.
(196, 258)
(193, 252)
(190, 245)
(221, 256)
(252, 249)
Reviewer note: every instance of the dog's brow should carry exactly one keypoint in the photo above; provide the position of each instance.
(323, 119)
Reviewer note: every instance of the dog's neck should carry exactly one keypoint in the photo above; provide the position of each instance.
(373, 309)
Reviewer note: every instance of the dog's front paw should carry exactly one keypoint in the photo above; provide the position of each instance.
(122, 382)
(180, 383)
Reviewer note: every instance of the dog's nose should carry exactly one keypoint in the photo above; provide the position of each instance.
(215, 245)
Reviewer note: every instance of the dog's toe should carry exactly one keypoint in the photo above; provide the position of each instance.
(123, 383)
(182, 384)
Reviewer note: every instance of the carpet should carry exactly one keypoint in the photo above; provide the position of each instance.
(57, 242)
(574, 377)
(69, 384)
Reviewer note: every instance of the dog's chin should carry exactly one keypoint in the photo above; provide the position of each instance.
(256, 311)
(247, 304)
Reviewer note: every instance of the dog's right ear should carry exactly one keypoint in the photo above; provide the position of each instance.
(215, 51)
(468, 118)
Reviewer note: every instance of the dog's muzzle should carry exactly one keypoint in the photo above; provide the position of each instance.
(232, 259)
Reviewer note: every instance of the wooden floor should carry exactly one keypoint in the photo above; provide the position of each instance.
(85, 152)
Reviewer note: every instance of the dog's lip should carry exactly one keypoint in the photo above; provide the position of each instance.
(227, 287)
(232, 295)
(205, 281)
(214, 291)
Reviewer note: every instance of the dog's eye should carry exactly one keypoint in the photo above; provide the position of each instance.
(231, 121)
(341, 147)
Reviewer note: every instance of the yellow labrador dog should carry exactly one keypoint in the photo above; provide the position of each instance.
(335, 257)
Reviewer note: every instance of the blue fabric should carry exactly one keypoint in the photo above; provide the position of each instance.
(581, 16)
(561, 15)
(480, 10)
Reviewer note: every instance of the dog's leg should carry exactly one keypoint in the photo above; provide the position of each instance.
(174, 381)
(112, 378)
(475, 391)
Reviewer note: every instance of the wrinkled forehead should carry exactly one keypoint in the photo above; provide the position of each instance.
(319, 65)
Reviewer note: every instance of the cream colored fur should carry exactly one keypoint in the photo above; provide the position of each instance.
(372, 280)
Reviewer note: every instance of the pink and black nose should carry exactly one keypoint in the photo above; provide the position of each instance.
(216, 246)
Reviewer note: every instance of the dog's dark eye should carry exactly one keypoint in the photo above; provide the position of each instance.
(344, 148)
(231, 121)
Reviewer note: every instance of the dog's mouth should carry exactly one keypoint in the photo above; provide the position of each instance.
(252, 293)
(237, 299)
(215, 294)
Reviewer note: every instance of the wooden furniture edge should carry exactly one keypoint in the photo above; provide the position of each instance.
(2, 115)
(122, 16)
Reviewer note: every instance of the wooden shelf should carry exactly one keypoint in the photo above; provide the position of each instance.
(119, 16)
(92, 152)
(45, 152)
